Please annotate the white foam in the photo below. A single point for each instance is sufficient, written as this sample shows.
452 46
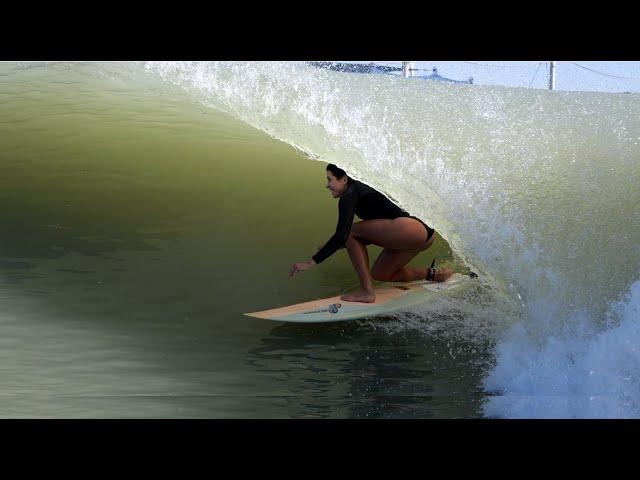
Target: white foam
584 373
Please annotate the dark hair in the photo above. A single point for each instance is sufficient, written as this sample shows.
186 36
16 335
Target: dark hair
337 172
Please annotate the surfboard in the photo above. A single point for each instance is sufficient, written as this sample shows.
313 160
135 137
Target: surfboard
390 297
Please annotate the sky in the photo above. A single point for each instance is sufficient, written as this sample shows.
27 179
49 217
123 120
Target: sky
535 74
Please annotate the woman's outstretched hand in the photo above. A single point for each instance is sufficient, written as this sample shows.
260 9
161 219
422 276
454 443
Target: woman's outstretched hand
301 267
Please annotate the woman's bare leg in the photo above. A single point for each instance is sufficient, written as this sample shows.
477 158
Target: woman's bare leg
391 266
381 232
402 238
360 259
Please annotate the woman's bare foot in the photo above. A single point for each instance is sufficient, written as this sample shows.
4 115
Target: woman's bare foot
361 295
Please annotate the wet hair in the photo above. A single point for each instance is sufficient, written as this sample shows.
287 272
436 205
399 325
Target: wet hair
338 172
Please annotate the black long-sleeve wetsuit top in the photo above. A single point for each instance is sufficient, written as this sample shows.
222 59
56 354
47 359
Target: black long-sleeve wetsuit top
362 200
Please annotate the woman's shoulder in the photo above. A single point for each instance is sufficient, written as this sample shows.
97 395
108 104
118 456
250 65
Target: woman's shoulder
361 189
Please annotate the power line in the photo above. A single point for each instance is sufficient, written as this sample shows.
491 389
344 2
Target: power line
499 66
534 75
605 74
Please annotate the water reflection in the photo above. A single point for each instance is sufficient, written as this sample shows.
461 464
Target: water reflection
350 370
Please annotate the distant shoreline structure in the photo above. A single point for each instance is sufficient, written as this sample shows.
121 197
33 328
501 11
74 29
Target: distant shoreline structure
372 68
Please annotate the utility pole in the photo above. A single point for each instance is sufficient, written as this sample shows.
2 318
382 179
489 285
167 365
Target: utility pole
552 75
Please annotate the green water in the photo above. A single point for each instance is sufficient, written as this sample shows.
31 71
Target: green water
138 225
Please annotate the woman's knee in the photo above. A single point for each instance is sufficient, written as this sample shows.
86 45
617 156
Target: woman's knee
356 228
351 239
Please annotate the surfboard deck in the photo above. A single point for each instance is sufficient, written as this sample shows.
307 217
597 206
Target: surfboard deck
390 297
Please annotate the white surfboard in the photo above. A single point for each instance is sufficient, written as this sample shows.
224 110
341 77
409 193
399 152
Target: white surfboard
390 297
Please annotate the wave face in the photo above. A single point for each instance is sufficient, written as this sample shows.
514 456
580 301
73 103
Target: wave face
536 190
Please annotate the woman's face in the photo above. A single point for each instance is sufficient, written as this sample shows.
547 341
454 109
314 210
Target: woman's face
337 186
